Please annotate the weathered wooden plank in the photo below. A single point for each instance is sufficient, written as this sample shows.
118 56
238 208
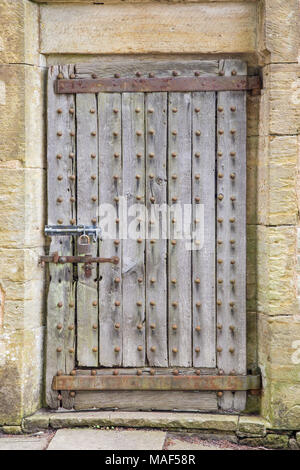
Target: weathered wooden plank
203 254
110 190
133 269
156 115
149 370
87 214
179 258
147 400
60 354
231 253
132 67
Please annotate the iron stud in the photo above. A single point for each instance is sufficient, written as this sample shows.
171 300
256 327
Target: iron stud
175 350
198 133
117 349
153 349
117 326
197 350
140 348
139 326
198 328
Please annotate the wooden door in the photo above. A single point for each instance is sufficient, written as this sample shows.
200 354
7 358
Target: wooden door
170 307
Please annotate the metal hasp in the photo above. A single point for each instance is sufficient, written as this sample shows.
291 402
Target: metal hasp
134 85
159 382
87 259
73 230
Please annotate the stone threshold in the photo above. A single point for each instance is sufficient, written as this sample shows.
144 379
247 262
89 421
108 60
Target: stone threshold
215 423
246 430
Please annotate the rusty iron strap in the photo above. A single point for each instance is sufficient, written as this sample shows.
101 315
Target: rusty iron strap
240 83
159 382
77 259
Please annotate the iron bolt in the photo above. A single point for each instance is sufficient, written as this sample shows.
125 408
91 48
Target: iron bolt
197 199
139 372
117 75
95 326
117 349
219 394
174 327
173 281
152 372
71 327
139 303
116 111
140 280
117 280
115 372
174 154
175 304
231 350
117 326
139 326
59 177
198 304
220 197
138 133
198 328
72 111
197 110
198 133
117 242
197 350
233 72
197 176
93 372
59 133
197 155
60 76
175 372
59 350
175 73
232 154
73 372
220 154
173 242
152 326
219 349
140 348
220 220
71 350
198 372
153 348
174 110
197 280
138 155
175 350
219 326
221 132
117 303
95 349
174 132
72 177
60 372
233 108
94 221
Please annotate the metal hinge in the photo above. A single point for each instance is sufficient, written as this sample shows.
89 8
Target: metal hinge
73 230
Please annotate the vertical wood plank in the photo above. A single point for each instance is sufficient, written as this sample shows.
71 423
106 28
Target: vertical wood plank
133 269
203 258
87 214
179 258
60 355
231 235
156 246
110 190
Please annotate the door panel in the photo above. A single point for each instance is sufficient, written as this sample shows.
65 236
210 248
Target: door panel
170 302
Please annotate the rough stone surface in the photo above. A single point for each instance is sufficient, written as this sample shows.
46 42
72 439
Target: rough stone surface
19 32
24 442
298 437
280 101
12 429
144 419
178 444
271 441
276 179
280 38
36 422
251 426
276 269
96 439
293 444
149 28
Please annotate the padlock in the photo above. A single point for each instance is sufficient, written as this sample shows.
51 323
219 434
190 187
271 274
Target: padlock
84 245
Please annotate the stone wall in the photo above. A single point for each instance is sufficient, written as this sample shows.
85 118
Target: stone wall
22 209
263 32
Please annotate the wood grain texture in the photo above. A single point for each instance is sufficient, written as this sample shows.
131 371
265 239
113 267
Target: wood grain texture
203 255
147 400
148 28
133 268
87 212
110 165
60 304
156 115
179 257
132 67
231 271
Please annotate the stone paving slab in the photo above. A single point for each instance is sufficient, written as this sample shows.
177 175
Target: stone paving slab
96 439
24 442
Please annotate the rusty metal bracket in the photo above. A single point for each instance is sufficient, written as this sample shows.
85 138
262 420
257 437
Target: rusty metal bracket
119 85
158 382
87 259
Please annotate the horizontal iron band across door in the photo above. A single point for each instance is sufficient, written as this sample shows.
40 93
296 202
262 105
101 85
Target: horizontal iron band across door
239 83
56 259
162 382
